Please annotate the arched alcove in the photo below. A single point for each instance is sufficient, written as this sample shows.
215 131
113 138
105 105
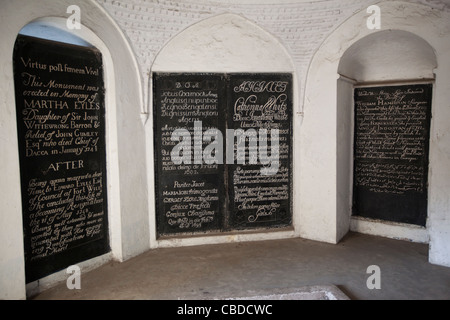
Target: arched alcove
386 58
127 189
225 44
52 85
325 136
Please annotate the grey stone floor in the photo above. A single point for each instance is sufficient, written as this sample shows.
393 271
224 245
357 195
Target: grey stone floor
245 269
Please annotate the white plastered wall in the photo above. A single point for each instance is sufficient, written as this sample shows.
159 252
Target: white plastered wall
126 167
323 187
224 44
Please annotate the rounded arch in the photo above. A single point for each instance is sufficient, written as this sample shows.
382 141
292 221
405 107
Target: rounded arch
326 141
226 43
388 55
125 158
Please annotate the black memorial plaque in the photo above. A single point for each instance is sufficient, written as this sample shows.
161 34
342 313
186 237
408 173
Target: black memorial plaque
198 117
260 179
189 194
61 134
392 132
